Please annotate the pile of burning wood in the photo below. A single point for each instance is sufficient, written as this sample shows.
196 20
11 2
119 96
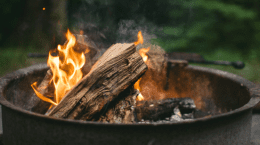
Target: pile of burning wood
81 84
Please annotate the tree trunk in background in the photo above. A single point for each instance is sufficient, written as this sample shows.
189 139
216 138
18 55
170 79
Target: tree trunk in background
59 22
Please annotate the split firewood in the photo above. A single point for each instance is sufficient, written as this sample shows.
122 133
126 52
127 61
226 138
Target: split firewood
46 89
118 68
121 110
160 109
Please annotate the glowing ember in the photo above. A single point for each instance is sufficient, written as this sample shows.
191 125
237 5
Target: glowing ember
66 69
43 8
142 52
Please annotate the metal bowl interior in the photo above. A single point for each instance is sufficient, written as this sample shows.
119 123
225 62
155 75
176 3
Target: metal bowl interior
213 91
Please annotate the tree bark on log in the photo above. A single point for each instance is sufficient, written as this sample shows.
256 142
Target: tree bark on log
118 68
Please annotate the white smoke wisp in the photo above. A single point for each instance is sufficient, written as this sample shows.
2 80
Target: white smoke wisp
128 30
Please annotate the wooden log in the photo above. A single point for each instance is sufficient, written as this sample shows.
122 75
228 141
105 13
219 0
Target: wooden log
46 89
160 109
118 68
121 110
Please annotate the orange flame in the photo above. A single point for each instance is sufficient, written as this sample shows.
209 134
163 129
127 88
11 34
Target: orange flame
66 68
43 8
142 52
40 95
140 38
140 97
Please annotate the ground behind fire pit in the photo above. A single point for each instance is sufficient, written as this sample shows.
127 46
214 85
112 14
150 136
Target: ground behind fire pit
255 131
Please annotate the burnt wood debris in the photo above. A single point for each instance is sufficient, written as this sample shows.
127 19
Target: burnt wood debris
106 92
159 109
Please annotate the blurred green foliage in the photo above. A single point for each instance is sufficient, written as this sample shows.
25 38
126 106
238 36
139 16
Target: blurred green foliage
212 25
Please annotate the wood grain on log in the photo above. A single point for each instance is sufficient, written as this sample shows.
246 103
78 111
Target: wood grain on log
118 68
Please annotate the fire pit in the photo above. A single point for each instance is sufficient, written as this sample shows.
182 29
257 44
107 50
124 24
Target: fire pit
229 98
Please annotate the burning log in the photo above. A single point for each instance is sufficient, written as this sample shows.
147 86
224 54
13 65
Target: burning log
121 110
118 68
160 109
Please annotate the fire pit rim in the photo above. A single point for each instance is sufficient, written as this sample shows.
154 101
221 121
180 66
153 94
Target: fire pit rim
255 98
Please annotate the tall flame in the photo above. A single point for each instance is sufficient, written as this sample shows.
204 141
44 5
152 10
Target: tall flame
66 69
140 38
142 52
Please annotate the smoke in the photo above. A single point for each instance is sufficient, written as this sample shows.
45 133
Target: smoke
128 29
99 23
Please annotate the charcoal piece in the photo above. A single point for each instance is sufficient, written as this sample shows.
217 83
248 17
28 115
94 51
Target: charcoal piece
187 106
177 115
160 109
188 116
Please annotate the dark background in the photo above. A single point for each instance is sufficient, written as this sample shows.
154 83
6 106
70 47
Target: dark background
217 29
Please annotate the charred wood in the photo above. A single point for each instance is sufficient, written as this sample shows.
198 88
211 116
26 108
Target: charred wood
160 109
121 109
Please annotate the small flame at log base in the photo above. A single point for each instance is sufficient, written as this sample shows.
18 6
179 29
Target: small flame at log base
142 52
